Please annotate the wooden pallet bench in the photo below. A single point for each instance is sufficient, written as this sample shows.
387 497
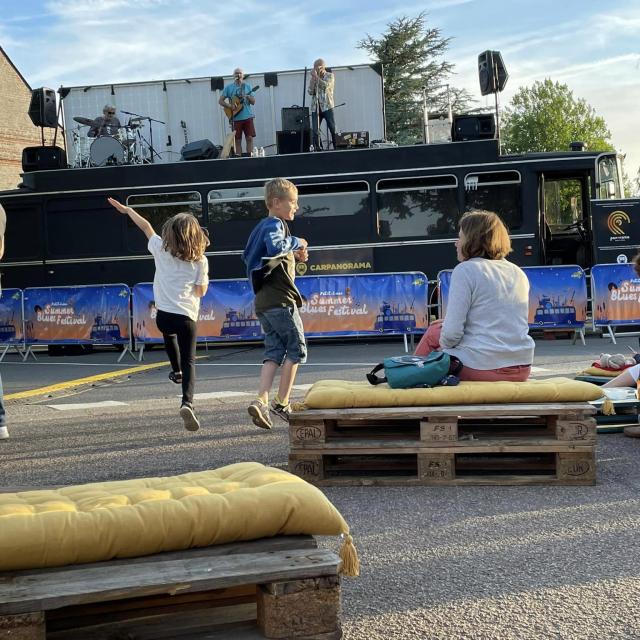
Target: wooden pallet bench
450 445
283 587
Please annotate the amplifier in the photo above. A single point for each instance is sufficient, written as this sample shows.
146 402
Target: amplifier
295 118
43 159
346 139
289 141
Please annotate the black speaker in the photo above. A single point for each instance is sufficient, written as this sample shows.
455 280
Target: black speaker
492 72
270 79
42 108
217 83
294 118
199 150
478 127
289 141
43 158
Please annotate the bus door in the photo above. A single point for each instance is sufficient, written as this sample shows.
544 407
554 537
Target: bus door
565 228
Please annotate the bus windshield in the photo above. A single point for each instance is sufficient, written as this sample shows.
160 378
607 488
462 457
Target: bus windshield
609 177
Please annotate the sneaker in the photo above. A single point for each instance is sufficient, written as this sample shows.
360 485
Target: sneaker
283 411
4 433
176 377
260 414
188 415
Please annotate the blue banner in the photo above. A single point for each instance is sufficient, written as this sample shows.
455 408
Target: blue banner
557 296
341 305
615 293
11 325
94 314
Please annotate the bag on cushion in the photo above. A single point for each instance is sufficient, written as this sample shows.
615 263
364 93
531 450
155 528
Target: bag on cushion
405 372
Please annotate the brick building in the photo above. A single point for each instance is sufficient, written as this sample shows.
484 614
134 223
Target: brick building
16 129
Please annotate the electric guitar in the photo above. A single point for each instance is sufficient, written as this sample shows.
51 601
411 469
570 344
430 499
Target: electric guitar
237 104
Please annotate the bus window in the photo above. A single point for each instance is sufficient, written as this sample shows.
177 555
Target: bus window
608 178
497 191
233 213
562 203
417 207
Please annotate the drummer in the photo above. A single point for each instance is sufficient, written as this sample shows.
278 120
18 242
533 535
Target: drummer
105 125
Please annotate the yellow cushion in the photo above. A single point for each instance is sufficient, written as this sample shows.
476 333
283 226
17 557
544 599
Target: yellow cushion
93 522
594 371
342 394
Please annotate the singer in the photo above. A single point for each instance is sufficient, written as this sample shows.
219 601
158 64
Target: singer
105 125
321 90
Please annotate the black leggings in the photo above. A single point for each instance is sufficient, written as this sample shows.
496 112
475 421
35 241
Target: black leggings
179 333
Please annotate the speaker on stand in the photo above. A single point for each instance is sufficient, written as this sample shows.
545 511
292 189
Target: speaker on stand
493 78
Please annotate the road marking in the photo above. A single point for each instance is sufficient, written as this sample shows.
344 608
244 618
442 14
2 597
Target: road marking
306 364
87 405
302 387
539 370
70 384
212 395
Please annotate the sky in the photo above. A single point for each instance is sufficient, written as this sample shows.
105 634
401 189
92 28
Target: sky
593 47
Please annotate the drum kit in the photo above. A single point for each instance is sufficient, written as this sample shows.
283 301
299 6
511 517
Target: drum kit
124 145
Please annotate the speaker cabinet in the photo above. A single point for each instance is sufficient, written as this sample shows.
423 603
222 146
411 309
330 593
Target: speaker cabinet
199 150
492 73
42 108
289 141
478 127
295 118
43 159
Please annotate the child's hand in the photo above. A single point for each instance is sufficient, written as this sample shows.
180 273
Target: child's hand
301 255
303 243
119 206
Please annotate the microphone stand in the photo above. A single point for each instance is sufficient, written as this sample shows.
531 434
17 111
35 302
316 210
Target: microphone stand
137 115
304 101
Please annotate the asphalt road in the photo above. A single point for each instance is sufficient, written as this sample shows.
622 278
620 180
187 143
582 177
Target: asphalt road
437 562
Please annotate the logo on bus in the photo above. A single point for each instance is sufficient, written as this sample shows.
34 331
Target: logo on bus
615 221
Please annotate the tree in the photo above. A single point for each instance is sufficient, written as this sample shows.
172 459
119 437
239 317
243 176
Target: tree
413 65
547 117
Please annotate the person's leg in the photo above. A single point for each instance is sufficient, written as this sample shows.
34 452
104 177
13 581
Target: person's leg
293 332
314 130
331 123
287 378
518 373
267 376
4 432
166 324
186 334
430 341
237 142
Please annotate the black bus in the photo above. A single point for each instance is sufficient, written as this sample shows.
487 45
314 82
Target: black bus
374 209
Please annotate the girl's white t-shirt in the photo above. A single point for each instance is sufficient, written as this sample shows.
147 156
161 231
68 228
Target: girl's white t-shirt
174 280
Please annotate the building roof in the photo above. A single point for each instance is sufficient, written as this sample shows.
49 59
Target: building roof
4 53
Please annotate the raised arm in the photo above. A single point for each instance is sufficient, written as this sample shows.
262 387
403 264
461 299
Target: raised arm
277 242
140 222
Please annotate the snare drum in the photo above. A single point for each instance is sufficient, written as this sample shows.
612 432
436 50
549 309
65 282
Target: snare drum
105 151
81 147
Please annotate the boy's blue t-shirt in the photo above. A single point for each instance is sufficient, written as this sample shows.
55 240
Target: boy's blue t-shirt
234 89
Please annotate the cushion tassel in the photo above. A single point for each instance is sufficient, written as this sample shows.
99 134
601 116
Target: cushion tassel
349 557
607 408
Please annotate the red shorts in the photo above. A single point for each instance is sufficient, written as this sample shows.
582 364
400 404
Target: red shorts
244 126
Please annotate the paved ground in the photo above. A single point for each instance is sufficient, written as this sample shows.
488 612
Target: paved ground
473 562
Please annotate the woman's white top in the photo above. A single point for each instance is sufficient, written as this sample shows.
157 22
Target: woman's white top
486 323
174 280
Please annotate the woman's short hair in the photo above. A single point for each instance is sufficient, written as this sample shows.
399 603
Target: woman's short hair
484 235
278 188
184 238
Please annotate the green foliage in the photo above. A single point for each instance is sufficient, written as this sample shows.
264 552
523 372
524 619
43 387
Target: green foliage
412 57
547 117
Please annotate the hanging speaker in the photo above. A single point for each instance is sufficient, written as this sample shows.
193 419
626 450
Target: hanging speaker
42 108
492 73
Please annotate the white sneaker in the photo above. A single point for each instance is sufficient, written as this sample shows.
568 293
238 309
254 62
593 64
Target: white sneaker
4 433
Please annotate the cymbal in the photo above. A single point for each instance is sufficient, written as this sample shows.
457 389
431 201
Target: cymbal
85 121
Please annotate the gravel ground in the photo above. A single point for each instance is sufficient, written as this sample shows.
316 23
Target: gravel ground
444 562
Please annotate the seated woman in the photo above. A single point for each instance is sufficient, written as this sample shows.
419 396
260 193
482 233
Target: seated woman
486 324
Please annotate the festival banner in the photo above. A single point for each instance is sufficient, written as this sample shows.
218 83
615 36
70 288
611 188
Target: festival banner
615 293
557 296
11 317
342 305
93 314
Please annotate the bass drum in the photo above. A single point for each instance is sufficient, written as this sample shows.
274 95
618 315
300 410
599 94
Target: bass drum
106 151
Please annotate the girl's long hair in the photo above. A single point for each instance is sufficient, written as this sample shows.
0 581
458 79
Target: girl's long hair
184 238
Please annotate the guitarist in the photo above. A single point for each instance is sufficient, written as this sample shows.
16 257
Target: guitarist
241 122
321 90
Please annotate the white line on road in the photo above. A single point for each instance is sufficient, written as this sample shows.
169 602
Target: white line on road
212 395
539 370
302 387
88 405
